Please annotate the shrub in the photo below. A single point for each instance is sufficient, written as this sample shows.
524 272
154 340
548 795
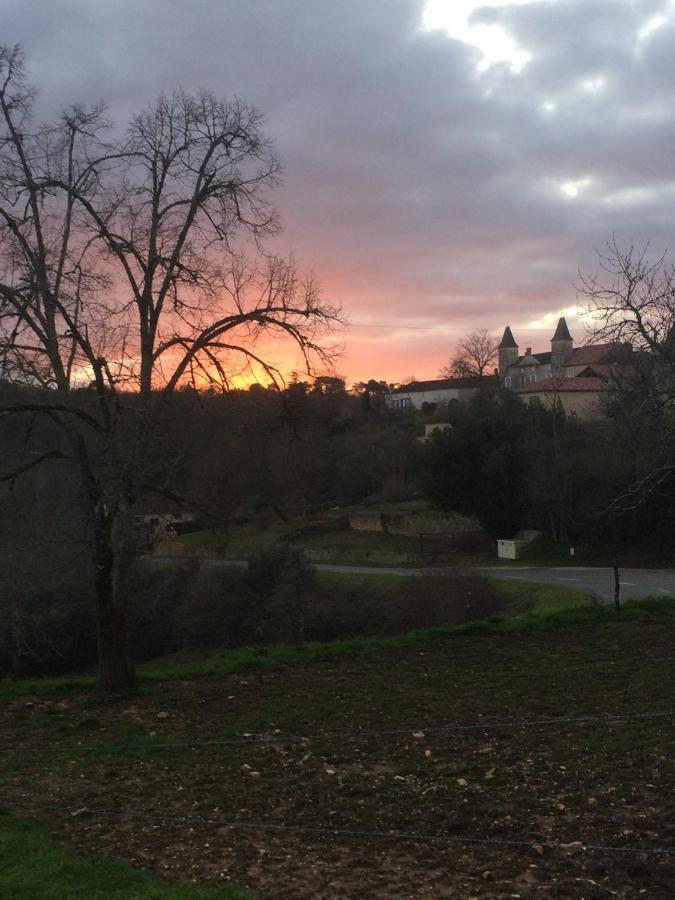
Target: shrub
341 612
280 581
447 599
188 604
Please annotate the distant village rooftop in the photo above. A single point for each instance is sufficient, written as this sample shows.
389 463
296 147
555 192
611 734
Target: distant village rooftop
415 387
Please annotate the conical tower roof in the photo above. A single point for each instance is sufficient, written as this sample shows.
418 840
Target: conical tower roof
562 332
507 339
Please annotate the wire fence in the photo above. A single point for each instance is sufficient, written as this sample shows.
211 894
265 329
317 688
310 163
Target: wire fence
328 831
323 830
412 731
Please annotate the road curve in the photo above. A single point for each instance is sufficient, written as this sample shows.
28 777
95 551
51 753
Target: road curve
635 583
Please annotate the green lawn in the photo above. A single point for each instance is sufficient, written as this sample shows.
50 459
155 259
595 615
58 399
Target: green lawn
238 543
339 546
524 596
34 866
360 548
542 599
356 581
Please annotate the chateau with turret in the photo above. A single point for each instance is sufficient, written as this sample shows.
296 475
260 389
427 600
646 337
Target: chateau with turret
564 360
576 378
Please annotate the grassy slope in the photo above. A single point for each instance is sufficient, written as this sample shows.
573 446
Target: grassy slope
540 600
342 547
34 866
346 547
372 548
536 606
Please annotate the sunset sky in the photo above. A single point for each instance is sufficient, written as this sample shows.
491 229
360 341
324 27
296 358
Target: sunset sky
449 165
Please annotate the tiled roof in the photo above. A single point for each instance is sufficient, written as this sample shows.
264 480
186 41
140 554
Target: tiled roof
533 359
609 370
444 384
593 353
541 358
560 385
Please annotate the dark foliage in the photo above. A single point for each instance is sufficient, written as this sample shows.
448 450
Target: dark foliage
608 483
478 466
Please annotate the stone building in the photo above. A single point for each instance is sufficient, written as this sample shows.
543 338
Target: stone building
577 378
440 390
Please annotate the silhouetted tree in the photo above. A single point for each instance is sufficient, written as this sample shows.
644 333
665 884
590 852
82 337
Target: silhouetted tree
474 356
122 268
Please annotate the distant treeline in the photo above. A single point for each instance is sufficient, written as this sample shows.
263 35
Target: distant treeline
264 455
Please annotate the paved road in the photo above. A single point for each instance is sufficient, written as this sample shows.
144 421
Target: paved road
635 583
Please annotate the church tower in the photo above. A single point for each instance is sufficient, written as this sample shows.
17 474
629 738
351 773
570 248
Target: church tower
561 347
508 352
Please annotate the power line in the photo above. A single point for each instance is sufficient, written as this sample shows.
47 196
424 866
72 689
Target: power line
397 326
415 731
331 831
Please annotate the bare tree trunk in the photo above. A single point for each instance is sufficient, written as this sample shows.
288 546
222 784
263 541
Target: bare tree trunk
554 530
115 666
147 366
115 662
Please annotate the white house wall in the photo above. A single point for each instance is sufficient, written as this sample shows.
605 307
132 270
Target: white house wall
415 399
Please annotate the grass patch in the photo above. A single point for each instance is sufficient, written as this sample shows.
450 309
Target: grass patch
238 543
356 581
542 599
33 865
549 607
372 548
344 546
130 740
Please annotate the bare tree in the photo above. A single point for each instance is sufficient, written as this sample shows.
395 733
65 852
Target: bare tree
630 302
132 267
630 297
475 354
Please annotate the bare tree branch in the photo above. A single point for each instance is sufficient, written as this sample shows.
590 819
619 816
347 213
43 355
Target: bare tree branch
473 357
26 467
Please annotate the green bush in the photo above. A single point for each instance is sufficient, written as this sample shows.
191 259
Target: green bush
281 583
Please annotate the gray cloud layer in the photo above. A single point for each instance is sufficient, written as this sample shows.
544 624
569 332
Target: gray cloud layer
418 188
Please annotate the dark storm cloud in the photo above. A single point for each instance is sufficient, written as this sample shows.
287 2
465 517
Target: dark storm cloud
416 186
